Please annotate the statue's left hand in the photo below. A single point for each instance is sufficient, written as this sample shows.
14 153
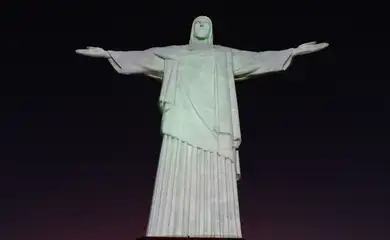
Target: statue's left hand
94 52
310 47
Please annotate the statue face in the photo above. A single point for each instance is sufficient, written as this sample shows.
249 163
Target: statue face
202 30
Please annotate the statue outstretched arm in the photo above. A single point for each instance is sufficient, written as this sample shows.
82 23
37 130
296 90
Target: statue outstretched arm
129 62
247 63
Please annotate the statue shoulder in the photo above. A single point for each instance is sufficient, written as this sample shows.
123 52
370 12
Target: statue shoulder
224 48
236 51
170 52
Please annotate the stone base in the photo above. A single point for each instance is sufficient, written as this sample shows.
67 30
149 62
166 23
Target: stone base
187 238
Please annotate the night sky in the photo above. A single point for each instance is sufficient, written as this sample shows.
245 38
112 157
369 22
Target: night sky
79 143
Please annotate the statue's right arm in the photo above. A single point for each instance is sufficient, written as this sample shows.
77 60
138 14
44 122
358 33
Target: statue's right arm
130 62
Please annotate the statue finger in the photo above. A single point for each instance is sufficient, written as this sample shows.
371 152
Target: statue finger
324 45
85 52
321 46
81 51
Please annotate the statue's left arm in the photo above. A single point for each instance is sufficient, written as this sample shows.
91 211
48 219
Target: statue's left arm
247 63
130 62
137 62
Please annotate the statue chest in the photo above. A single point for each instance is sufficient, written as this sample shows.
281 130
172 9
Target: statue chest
202 62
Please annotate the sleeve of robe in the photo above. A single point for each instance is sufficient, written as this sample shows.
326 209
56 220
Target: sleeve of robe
137 62
247 63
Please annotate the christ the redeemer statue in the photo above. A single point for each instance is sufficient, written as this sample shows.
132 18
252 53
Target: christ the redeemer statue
195 193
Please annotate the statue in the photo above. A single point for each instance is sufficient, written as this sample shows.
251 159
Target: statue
195 192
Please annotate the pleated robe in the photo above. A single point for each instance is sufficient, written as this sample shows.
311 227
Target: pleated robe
195 190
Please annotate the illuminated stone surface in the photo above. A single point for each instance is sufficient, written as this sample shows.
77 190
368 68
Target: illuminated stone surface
195 192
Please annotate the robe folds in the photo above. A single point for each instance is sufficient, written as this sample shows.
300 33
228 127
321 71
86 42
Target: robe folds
195 192
198 98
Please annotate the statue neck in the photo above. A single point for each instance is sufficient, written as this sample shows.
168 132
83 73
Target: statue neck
199 44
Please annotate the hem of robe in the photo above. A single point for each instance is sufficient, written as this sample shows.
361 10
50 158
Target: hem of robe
235 153
289 59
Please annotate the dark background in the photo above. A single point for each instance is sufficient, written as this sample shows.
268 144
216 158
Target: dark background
80 143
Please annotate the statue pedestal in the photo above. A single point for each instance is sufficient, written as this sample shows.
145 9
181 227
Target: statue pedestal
187 238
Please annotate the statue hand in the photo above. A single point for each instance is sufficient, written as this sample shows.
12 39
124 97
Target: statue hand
93 52
309 47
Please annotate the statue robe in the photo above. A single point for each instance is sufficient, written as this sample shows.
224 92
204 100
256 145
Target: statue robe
201 134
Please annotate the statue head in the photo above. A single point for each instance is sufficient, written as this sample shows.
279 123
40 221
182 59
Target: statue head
202 31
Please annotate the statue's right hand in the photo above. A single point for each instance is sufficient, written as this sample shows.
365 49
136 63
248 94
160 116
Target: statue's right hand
93 52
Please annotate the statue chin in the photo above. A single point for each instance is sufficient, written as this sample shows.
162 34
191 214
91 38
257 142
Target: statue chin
202 38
